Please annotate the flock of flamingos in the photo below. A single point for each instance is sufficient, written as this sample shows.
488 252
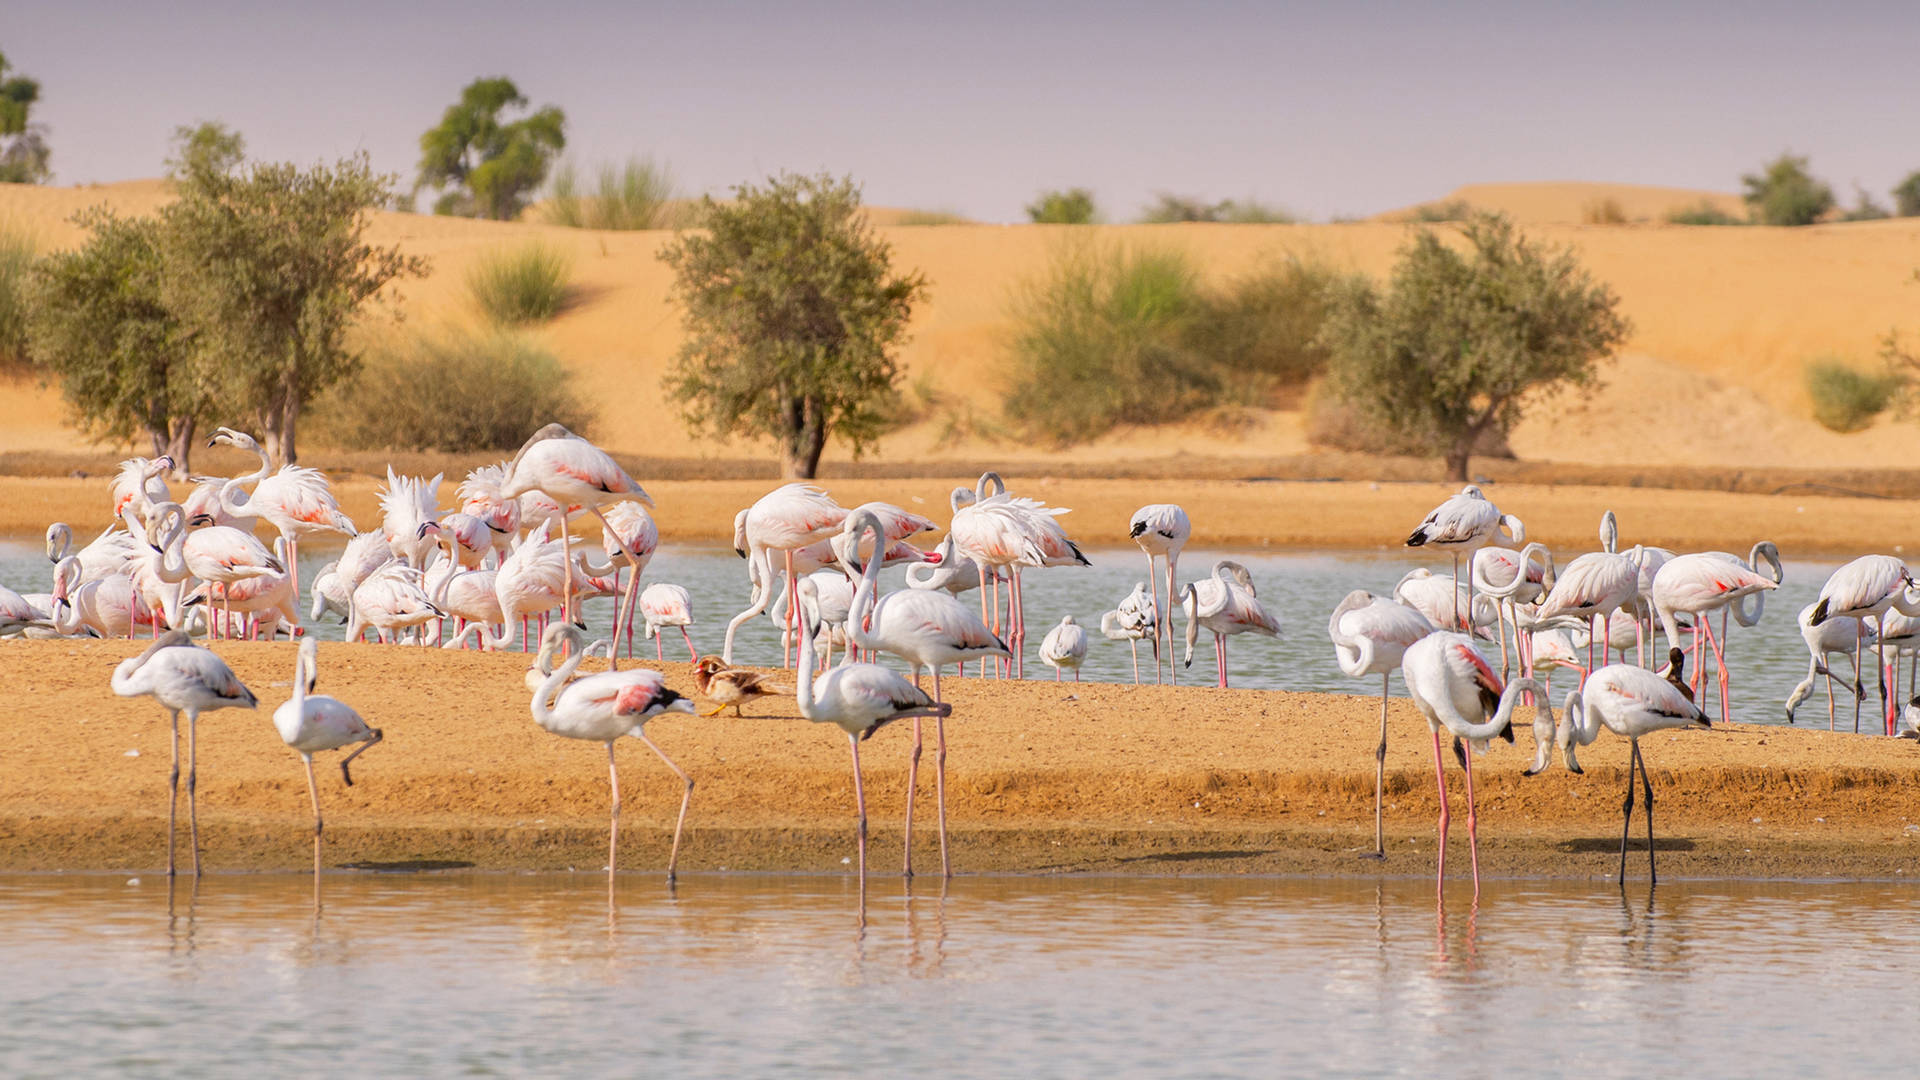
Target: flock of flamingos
506 560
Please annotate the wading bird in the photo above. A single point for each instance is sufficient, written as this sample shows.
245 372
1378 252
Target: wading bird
1464 522
1868 587
1161 529
785 519
1226 604
1700 585
1838 635
311 722
297 501
1065 646
1136 617
662 605
725 686
1370 635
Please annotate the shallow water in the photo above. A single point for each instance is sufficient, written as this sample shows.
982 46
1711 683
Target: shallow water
734 975
1302 588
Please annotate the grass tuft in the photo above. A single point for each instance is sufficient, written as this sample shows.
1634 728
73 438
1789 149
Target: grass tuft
1846 398
1702 213
525 285
1603 212
637 194
17 251
451 392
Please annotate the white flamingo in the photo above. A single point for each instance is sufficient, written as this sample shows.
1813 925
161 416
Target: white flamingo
1135 617
1162 530
1370 635
392 601
1226 604
1868 587
1065 646
1593 587
310 722
663 604
1699 585
1465 522
531 580
297 501
410 517
1844 635
790 517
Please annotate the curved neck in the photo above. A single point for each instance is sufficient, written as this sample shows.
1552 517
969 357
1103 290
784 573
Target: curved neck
59 542
550 686
1355 655
303 674
809 629
989 479
866 596
173 554
231 497
1190 601
1503 713
1581 726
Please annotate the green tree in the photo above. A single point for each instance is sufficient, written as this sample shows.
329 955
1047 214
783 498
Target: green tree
99 326
793 314
1906 196
1459 340
1073 206
24 155
1785 193
267 267
208 148
486 167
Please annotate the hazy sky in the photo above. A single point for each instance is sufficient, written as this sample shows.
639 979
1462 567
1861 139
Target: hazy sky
974 106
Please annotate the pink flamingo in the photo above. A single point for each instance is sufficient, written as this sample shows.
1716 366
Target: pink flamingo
1593 587
785 519
1512 578
217 554
630 532
480 496
1868 587
603 707
108 554
137 487
1464 522
263 602
1161 529
108 606
1454 688
1226 604
663 605
1370 635
1700 585
1440 598
1000 531
297 501
532 580
393 599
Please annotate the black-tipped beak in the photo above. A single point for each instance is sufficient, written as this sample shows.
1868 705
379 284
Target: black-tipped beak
579 624
200 519
740 553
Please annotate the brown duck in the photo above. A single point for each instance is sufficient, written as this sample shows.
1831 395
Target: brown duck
726 686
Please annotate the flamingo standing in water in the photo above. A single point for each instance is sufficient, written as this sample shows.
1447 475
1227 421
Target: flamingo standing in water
1065 646
1631 702
1593 587
1000 531
1512 579
1454 688
1226 604
927 629
1370 636
1464 522
297 501
1136 617
532 580
604 707
1868 587
311 722
109 606
410 517
1699 585
1161 529
217 554
1837 635
182 677
664 605
788 518
857 698
632 534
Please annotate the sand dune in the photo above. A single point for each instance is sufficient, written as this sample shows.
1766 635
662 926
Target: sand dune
1724 321
1570 202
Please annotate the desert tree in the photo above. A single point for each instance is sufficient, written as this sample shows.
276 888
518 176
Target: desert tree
793 315
24 155
486 166
1463 337
268 269
209 148
1784 192
100 329
1073 206
1906 196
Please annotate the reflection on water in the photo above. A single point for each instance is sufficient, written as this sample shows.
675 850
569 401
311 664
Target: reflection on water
756 975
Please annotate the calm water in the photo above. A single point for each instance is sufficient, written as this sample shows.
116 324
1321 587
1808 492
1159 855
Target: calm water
1302 588
736 975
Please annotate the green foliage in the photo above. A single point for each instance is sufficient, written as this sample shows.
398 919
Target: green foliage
1459 341
1864 208
793 314
931 217
268 269
486 167
635 195
1846 398
206 149
451 392
1785 193
1262 329
1253 212
1074 206
525 285
1171 209
1442 212
99 326
1906 196
24 157
1702 213
17 250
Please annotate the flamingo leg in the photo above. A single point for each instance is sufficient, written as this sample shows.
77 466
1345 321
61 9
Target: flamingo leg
1134 645
1500 620
193 770
1457 624
913 784
940 777
1473 820
613 824
1173 670
659 650
860 807
686 797
313 793
1153 590
1858 639
173 790
1440 774
692 654
1720 667
1646 784
793 609
293 572
1380 773
1626 811
566 578
1830 705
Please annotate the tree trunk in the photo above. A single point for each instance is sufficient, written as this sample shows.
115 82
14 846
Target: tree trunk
806 438
278 422
1461 452
180 432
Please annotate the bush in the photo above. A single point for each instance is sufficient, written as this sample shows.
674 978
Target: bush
523 286
16 263
931 217
1434 213
631 196
1171 209
1338 425
1845 398
1906 196
1603 212
1702 213
1073 206
1864 208
1786 193
1263 328
453 392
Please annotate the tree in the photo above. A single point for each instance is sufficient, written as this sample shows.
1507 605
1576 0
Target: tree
793 314
208 148
490 167
23 146
1786 193
1459 341
98 324
1906 196
267 268
1073 206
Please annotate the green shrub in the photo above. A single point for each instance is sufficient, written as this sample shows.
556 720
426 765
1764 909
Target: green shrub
16 263
1252 212
1785 193
1846 398
1073 206
1262 328
451 392
931 217
1864 208
1450 210
1702 213
635 195
525 285
1906 196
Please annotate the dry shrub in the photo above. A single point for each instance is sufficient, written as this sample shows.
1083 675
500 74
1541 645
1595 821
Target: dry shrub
1603 212
453 392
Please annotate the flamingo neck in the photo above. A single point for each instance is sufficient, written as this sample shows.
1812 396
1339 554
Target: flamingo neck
543 698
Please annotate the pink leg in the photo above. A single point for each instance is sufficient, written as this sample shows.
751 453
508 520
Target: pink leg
793 610
1719 660
1473 823
659 651
1440 773
688 638
860 803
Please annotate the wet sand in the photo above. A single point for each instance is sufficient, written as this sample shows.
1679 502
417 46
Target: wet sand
1043 778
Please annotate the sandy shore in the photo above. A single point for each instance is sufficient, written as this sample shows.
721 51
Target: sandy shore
1042 778
1226 513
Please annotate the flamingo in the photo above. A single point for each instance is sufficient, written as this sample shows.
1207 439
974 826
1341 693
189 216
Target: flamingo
392 599
311 722
943 568
1439 597
859 699
216 554
1370 635
1464 522
1161 529
269 595
470 596
1065 646
630 532
1137 616
296 500
785 519
108 606
108 554
1869 586
572 471
1631 702
137 486
1001 531
410 517
1700 584
532 580
1512 578
604 707
835 593
927 629
480 496
203 503
1593 587
1838 635
18 614
1453 687
182 677
665 605
1227 604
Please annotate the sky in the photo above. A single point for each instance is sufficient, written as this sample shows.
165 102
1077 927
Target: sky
975 107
